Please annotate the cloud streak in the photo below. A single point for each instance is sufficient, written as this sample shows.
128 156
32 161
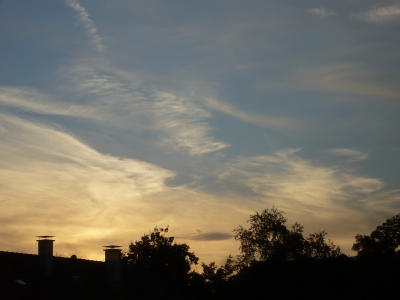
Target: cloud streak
54 184
63 155
284 178
346 77
320 12
381 14
88 23
352 154
334 197
263 121
180 123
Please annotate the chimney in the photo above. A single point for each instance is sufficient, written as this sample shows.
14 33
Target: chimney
113 262
45 253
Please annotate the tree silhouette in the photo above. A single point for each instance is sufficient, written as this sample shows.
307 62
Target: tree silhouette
382 242
214 274
269 238
317 247
157 259
265 235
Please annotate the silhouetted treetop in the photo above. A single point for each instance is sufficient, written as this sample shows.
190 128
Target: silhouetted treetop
383 241
158 253
269 238
214 274
316 246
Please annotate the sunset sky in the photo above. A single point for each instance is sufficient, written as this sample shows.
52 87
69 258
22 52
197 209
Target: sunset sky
119 116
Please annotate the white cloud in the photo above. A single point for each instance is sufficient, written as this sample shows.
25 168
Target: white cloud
264 121
31 100
335 197
320 12
181 124
286 179
381 14
184 122
386 201
29 147
353 155
52 183
342 77
88 23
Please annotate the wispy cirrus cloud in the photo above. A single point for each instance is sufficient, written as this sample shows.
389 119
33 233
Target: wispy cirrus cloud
180 122
334 196
185 123
58 185
29 145
348 77
53 183
353 155
29 99
88 23
285 178
320 12
380 14
263 121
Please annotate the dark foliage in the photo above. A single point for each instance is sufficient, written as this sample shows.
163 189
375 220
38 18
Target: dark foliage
217 279
212 273
156 260
276 262
268 238
338 277
383 242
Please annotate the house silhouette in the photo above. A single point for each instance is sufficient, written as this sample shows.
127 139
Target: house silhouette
45 276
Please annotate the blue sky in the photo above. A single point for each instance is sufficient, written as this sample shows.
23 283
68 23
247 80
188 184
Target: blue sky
116 117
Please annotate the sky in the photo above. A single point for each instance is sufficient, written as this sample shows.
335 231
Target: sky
120 116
